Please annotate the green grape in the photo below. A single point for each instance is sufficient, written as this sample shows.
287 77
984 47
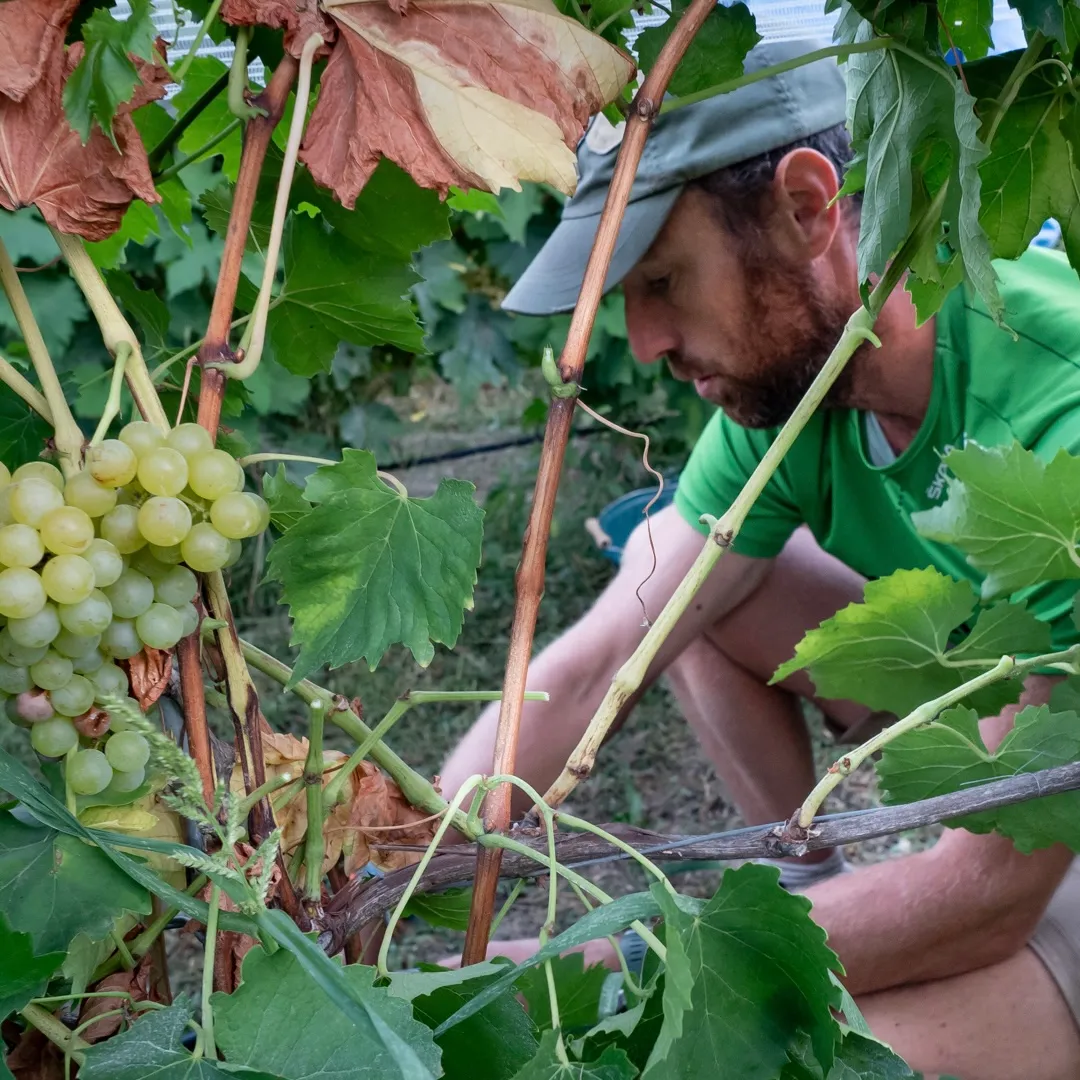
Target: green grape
33 706
120 641
52 671
14 680
120 526
90 496
19 655
88 772
189 439
107 562
42 470
205 549
66 530
5 475
11 711
160 627
6 517
164 521
235 515
113 464
127 751
131 595
75 697
123 782
22 593
68 579
147 565
37 630
142 437
20 545
212 474
163 471
177 587
31 499
90 661
236 549
89 616
73 645
54 738
170 556
109 681
264 510
190 616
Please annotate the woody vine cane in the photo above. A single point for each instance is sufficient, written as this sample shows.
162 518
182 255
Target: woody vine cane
529 580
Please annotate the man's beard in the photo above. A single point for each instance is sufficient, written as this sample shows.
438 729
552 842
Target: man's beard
789 329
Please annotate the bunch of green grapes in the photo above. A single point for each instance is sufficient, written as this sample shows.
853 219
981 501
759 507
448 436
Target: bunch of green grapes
94 568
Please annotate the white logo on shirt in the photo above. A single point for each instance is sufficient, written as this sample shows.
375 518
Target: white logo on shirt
941 476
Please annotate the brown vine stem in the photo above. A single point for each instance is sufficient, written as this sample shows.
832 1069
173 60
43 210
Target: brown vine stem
530 574
195 726
215 346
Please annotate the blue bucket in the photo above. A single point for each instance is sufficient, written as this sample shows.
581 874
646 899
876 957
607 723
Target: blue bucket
612 527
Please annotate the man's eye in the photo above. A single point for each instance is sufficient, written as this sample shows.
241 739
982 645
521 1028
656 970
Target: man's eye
657 286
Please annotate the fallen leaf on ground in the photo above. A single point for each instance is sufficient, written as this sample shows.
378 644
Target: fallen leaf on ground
473 93
81 190
149 673
298 18
30 30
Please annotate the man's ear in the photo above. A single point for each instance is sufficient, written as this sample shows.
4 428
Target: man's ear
806 214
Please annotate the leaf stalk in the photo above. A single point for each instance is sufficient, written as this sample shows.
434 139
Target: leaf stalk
15 380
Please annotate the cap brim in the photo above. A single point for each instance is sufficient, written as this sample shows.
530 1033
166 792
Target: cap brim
553 279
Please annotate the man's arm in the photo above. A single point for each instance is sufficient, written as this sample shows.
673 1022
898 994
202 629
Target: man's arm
967 902
577 668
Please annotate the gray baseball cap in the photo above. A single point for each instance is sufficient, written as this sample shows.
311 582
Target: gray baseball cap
685 143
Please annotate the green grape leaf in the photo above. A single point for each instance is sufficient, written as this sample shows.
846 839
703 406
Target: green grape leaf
274 1022
58 308
54 887
501 1035
1065 696
858 1057
23 433
612 1064
214 119
760 973
333 293
286 499
27 237
891 651
578 989
137 226
479 352
369 567
148 311
1013 515
152 1047
449 908
968 23
715 55
1049 16
105 78
23 975
949 754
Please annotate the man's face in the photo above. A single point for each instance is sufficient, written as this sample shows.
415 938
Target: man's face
750 330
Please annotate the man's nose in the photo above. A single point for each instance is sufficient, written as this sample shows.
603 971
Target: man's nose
651 336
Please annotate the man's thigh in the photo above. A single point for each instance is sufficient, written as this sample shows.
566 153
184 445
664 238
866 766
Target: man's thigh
1004 1022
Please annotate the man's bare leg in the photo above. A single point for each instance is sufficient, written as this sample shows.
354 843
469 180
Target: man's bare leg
1003 1022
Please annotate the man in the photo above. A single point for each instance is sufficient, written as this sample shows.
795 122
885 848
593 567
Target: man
738 268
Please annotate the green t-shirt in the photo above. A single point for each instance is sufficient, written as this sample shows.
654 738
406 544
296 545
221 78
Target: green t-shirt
988 387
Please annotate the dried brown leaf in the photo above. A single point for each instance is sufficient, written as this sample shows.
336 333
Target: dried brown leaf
149 673
135 982
298 18
29 31
34 1057
477 93
81 190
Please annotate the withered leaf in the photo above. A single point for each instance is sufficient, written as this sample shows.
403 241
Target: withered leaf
135 982
473 93
82 190
30 30
298 18
149 673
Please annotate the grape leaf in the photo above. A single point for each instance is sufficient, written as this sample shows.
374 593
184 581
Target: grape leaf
54 887
215 117
449 908
26 236
891 651
22 432
715 55
949 754
968 23
299 21
369 567
1013 515
858 1057
612 1064
57 305
286 499
1047 16
105 77
274 1022
152 1047
501 1035
30 30
578 989
450 89
333 293
23 975
147 309
760 973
